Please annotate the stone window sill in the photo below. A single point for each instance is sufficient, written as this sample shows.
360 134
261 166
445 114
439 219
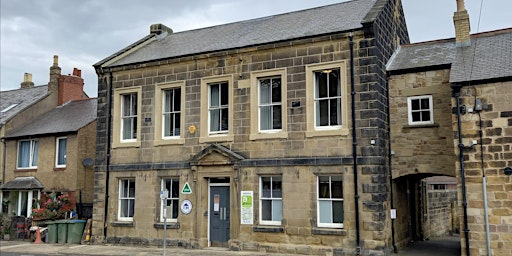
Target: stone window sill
169 225
268 229
327 231
123 224
421 126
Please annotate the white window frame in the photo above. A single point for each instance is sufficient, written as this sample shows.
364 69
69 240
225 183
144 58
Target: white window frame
171 114
33 154
269 104
220 108
330 199
272 199
430 109
170 200
132 116
341 129
328 98
19 201
129 198
221 136
57 152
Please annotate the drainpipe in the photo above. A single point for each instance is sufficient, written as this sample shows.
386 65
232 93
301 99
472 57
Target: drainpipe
484 187
390 162
456 94
4 157
354 143
109 133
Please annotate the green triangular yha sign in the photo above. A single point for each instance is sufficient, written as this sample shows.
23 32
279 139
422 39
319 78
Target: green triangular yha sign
186 189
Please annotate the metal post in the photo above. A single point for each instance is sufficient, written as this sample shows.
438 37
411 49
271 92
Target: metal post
165 223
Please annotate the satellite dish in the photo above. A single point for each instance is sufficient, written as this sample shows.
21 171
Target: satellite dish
88 162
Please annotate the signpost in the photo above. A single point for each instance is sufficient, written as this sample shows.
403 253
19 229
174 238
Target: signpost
164 194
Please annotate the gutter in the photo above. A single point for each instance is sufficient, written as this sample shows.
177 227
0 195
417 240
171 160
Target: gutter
456 94
354 145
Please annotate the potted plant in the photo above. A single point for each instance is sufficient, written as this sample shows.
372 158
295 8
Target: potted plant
5 226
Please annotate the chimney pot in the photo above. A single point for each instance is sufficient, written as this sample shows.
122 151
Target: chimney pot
27 81
77 72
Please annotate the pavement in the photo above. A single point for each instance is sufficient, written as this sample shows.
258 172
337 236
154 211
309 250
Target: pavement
447 246
21 248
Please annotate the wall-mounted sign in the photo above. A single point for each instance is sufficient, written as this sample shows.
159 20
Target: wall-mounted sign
247 209
186 189
186 206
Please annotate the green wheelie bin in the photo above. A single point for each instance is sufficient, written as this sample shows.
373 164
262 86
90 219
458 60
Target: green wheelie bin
75 231
52 232
62 231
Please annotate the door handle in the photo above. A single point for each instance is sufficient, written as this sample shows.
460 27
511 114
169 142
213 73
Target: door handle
220 213
225 217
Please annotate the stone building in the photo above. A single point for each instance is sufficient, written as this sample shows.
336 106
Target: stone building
48 135
270 134
451 102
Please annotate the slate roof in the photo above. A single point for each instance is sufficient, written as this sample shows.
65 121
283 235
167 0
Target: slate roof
69 117
22 97
488 57
22 183
345 16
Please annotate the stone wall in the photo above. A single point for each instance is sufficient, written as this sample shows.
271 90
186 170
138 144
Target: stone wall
490 157
442 213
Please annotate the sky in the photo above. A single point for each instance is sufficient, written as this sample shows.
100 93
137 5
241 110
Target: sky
83 32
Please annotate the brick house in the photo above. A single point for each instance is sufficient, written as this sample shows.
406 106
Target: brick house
269 134
49 135
451 102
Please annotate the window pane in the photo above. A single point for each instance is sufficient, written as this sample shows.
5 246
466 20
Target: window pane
276 117
35 150
334 109
131 191
323 187
336 187
265 92
175 191
324 208
224 119
24 154
322 113
277 210
127 128
337 211
321 85
416 116
224 94
276 187
177 99
214 95
214 120
334 83
415 104
175 206
167 100
276 90
61 157
425 115
425 103
265 117
265 187
266 210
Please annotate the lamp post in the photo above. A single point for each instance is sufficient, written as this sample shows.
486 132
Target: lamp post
164 194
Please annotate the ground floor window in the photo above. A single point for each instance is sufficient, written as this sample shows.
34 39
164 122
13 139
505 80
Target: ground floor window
271 202
172 206
126 208
20 203
330 201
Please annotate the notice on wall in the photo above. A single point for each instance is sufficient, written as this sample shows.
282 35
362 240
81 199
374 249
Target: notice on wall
247 209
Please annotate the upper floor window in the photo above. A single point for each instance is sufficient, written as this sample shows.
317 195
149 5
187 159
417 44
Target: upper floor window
129 117
172 206
268 104
126 117
271 202
330 201
326 99
60 156
420 109
27 153
217 110
126 208
171 112
218 106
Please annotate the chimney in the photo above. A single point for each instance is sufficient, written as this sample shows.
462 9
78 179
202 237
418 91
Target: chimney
53 84
27 81
71 87
159 29
462 27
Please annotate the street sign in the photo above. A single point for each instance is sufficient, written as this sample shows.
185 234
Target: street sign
164 194
186 189
186 206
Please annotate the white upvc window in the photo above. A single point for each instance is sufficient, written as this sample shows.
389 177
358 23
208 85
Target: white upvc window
126 208
172 185
420 110
60 152
171 113
218 108
20 202
27 154
271 201
330 202
129 117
